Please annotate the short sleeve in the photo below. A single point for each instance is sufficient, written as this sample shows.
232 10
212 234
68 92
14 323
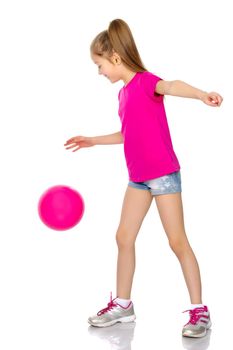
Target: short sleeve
149 81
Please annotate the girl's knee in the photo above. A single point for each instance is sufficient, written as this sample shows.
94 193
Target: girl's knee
124 239
179 246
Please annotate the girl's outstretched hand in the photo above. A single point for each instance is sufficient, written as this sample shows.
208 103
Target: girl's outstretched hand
212 99
79 142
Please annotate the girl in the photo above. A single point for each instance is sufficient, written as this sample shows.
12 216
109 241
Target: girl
153 168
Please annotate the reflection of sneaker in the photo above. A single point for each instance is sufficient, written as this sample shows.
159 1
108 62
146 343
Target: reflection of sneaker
197 343
112 314
198 324
120 335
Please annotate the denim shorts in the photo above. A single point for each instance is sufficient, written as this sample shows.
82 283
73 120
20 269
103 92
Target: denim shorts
170 183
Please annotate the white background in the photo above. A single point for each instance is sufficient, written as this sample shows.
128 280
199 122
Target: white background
51 281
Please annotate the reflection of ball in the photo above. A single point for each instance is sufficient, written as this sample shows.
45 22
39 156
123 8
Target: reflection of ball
61 207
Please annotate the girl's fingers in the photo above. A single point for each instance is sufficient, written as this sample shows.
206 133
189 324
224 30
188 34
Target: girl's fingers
76 149
74 139
210 102
69 141
214 99
217 100
72 146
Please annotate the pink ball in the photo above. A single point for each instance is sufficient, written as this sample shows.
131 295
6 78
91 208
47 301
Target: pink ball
61 207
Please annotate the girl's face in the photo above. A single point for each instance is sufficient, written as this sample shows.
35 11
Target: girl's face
110 70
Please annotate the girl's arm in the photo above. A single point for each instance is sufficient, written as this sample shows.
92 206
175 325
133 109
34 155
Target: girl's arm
87 141
182 89
110 139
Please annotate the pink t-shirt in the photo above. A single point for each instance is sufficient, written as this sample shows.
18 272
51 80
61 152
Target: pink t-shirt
147 142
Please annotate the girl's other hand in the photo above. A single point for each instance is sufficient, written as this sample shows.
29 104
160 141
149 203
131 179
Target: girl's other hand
212 99
79 142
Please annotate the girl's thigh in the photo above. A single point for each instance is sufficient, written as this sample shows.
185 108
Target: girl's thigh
135 206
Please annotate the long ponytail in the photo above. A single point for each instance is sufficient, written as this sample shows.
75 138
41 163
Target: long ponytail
118 38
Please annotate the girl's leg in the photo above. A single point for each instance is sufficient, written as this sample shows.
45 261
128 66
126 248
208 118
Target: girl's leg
171 213
135 206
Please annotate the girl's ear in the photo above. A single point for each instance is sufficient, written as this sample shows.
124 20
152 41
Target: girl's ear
116 58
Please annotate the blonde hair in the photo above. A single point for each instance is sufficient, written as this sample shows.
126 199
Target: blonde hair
118 37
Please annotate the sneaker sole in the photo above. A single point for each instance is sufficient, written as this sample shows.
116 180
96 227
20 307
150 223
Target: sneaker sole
110 323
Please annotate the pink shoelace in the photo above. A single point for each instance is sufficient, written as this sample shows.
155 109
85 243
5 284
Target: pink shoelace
111 305
196 314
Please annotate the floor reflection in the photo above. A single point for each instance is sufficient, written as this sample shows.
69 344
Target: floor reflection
197 343
119 336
